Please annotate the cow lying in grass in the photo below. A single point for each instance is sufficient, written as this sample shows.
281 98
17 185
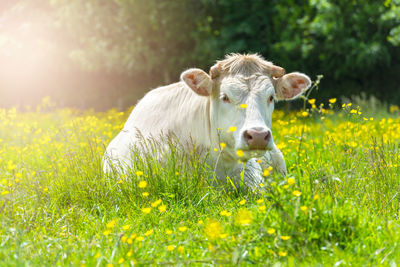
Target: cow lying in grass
230 109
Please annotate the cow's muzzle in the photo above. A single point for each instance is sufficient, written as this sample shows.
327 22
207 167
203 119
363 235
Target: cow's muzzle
257 139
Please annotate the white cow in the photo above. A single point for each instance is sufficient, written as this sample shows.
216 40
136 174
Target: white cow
233 105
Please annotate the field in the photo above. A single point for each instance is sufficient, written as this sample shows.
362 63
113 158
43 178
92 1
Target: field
338 205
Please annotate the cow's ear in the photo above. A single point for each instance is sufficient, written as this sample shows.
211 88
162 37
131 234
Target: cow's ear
291 86
199 81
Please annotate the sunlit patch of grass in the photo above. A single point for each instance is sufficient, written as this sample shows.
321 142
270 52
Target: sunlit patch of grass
339 202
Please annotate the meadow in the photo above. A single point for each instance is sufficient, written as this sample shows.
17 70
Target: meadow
338 205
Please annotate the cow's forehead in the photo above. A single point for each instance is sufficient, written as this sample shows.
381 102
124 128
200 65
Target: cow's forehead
241 84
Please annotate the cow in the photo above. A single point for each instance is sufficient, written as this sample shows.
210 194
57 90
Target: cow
229 109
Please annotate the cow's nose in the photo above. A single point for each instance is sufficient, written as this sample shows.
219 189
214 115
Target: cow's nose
257 139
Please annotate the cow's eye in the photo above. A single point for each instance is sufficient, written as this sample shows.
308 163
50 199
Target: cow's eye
270 99
225 98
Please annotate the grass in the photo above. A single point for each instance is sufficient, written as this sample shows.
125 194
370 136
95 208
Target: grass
339 204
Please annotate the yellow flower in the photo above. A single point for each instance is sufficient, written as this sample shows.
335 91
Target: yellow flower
271 231
145 194
156 203
270 168
304 114
142 184
232 129
242 202
121 260
296 193
332 100
243 217
5 192
303 208
109 265
261 185
181 249
139 238
291 181
282 253
213 229
200 222
353 111
226 213
285 237
168 232
316 197
222 145
107 232
243 105
139 173
146 210
123 239
130 252
262 208
171 247
259 201
240 153
111 224
311 101
149 232
265 172
97 255
182 228
126 227
162 208
286 186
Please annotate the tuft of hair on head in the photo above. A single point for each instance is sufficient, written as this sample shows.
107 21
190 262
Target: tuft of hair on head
246 65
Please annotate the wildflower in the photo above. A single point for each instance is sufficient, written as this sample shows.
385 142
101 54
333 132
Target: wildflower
261 185
139 173
311 101
123 239
262 208
126 227
316 197
271 231
109 265
285 237
242 202
304 114
259 201
97 255
286 186
240 153
222 145
232 129
130 252
168 232
162 208
353 111
216 149
303 208
145 194
332 100
243 105
265 172
291 181
111 224
225 213
182 228
156 203
139 238
296 193
5 192
181 249
213 229
270 168
170 247
146 210
149 232
121 260
142 184
200 222
282 253
107 232
243 217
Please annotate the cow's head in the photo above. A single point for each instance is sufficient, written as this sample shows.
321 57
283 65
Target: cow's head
243 90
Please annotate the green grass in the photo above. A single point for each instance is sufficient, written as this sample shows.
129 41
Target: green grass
58 208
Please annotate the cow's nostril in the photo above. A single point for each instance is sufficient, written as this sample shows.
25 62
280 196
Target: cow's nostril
267 136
